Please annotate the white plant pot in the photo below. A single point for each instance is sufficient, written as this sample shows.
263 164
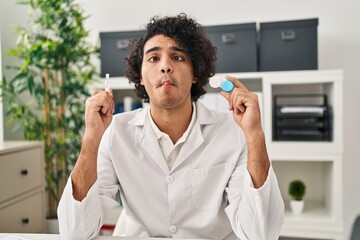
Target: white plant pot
297 206
52 225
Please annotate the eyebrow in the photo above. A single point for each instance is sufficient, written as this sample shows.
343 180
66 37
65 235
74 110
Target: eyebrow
153 49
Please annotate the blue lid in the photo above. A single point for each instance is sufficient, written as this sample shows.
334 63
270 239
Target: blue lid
227 86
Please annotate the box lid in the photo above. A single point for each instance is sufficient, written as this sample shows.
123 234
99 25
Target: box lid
290 24
231 27
121 34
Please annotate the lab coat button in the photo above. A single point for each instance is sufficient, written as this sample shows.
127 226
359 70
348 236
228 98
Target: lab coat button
173 229
169 179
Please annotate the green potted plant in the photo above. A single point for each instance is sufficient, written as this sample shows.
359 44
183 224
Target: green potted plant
297 190
55 72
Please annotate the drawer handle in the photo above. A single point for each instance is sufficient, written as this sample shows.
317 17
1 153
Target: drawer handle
25 220
24 172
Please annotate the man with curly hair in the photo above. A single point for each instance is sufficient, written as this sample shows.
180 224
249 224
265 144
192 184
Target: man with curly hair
182 170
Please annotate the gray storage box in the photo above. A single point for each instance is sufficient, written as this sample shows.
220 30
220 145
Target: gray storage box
288 45
236 47
114 49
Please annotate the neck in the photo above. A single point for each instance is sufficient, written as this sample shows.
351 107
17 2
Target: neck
174 121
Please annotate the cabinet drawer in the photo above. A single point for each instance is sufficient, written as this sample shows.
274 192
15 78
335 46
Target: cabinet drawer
26 215
20 172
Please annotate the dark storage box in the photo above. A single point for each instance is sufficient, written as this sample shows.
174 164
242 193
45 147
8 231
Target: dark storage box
288 45
236 47
114 49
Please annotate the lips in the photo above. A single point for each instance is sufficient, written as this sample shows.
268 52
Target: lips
166 85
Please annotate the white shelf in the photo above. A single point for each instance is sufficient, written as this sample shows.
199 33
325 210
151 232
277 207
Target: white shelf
315 222
117 83
278 148
302 76
318 163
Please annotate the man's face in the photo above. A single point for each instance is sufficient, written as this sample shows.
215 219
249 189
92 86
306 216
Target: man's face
166 73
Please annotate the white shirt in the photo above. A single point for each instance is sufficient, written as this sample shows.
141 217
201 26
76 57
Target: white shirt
208 192
169 149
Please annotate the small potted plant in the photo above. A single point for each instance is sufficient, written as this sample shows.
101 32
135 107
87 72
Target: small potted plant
297 190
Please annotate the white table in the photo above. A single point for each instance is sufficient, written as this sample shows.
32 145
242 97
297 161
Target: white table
57 237
45 236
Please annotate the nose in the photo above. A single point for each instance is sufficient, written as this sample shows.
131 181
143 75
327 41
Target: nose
166 70
166 67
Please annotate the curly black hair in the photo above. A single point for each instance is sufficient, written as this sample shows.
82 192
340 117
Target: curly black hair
190 36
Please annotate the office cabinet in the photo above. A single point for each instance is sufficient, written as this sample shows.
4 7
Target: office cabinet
22 191
317 163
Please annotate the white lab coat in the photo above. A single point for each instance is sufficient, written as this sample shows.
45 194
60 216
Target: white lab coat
208 193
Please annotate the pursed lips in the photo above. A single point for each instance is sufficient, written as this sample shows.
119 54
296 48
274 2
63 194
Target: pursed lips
166 83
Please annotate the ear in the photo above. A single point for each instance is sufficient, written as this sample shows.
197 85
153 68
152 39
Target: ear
194 80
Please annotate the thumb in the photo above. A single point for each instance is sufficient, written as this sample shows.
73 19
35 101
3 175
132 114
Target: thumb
226 95
109 91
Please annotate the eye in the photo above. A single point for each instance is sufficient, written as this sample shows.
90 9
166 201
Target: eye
153 59
178 58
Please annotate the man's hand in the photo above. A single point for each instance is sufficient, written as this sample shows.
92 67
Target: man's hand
245 107
98 113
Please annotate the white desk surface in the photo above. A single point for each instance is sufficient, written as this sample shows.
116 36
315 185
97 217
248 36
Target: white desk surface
21 236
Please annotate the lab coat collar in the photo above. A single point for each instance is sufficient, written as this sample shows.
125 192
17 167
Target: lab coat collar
147 136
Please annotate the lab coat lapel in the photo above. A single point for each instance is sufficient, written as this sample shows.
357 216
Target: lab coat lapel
195 138
148 140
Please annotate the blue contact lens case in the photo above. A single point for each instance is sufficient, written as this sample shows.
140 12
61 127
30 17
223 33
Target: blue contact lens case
225 85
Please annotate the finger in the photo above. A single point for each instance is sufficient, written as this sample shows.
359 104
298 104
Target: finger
102 101
237 103
240 99
107 107
236 82
96 91
109 112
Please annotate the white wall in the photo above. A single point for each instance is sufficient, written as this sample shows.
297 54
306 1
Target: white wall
1 105
339 48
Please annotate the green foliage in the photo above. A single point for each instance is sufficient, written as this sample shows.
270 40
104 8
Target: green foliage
297 190
55 72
